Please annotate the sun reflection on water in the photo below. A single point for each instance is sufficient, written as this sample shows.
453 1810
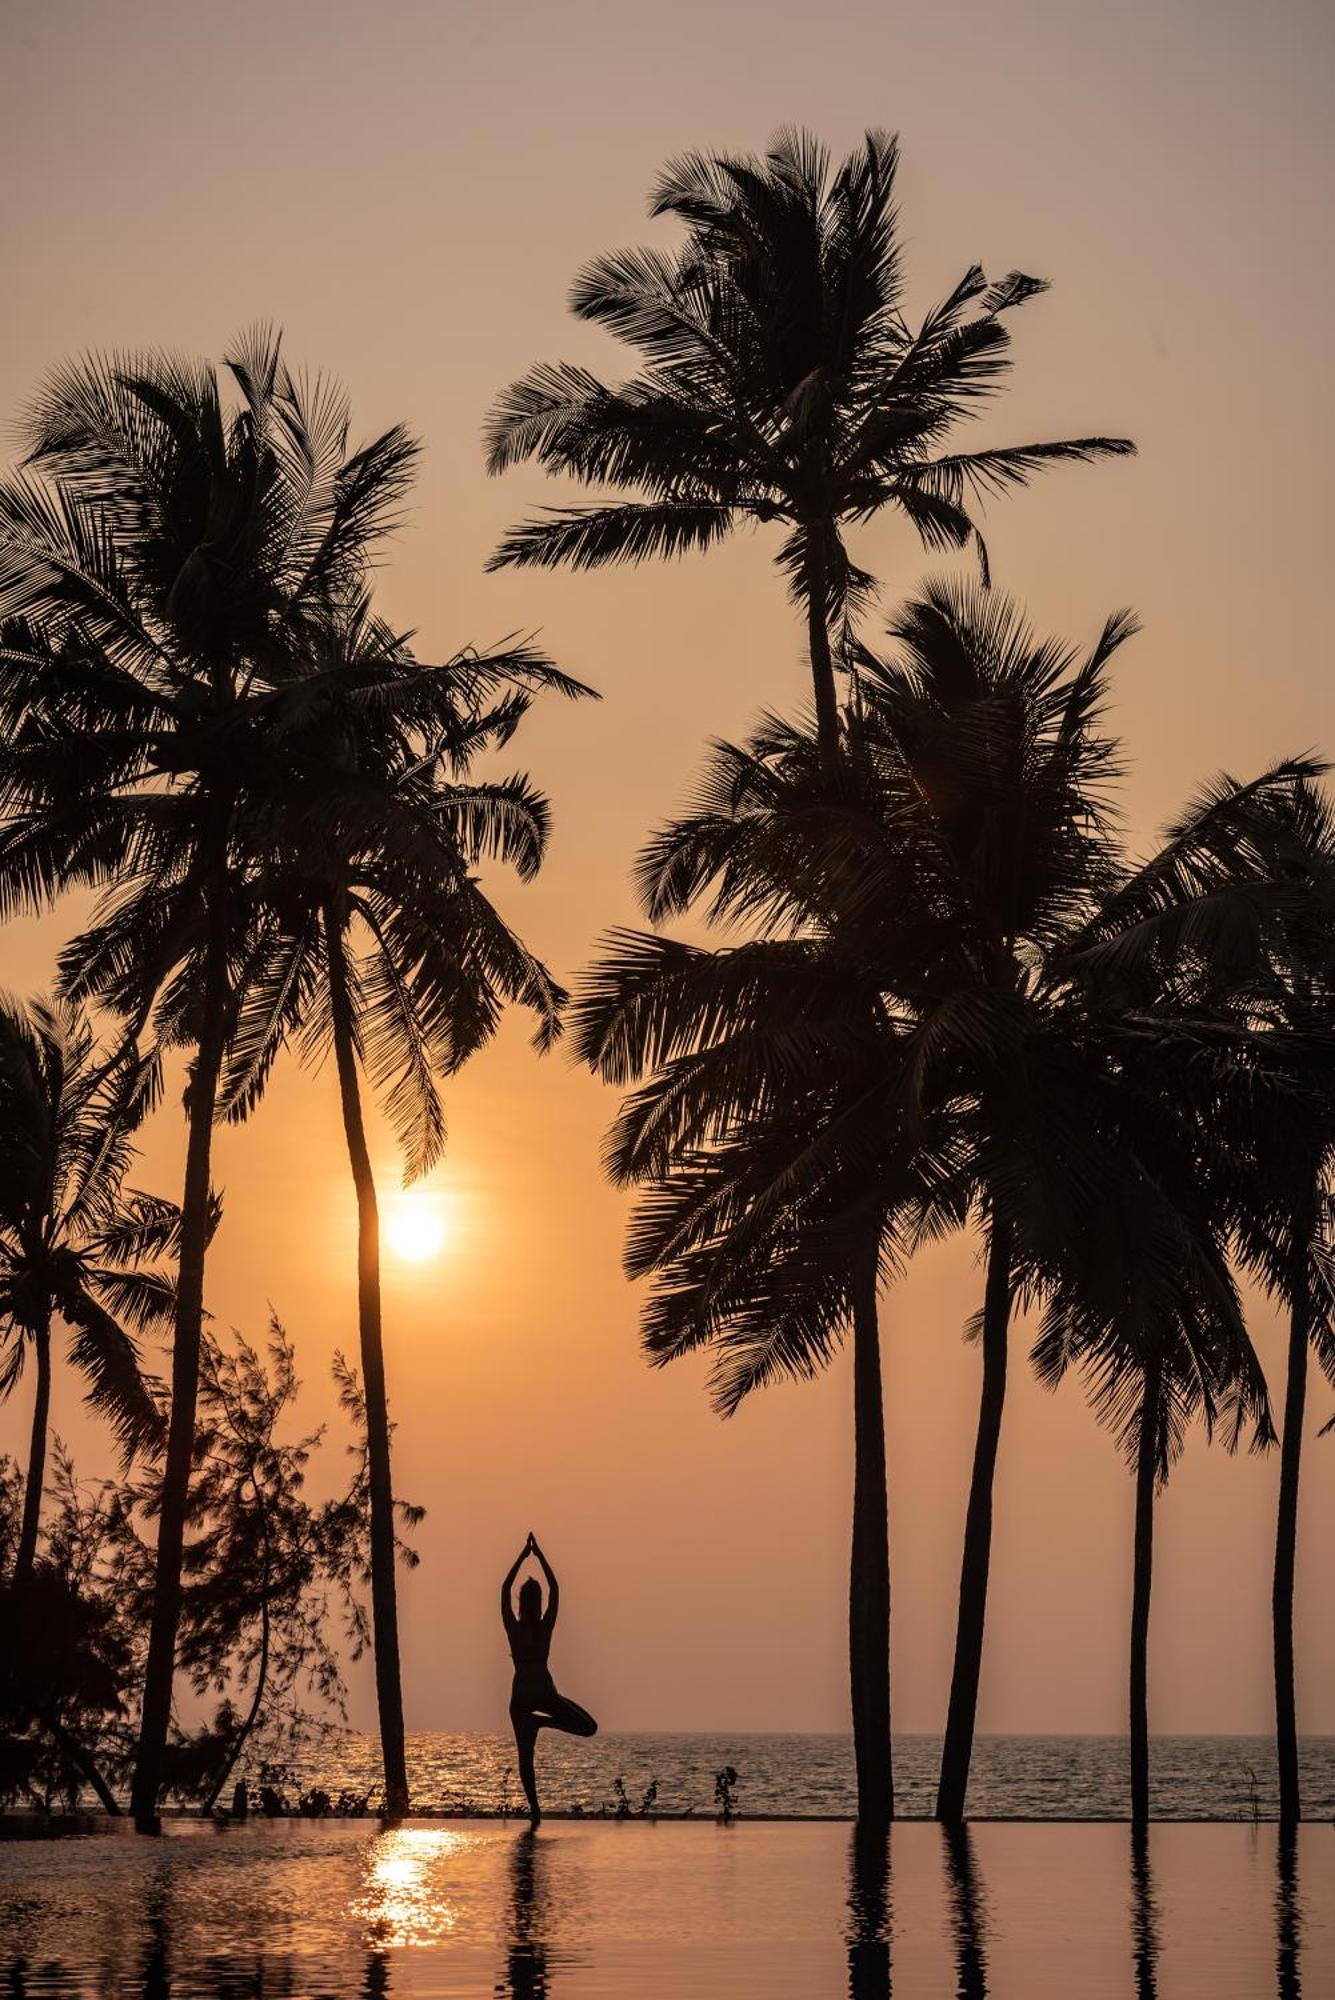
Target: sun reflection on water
407 1898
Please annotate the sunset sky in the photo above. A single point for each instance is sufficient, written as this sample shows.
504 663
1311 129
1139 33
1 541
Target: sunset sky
407 189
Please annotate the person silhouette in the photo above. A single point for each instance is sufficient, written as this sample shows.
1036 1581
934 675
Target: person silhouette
534 1701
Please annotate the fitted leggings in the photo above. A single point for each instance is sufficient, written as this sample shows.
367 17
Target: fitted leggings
532 1709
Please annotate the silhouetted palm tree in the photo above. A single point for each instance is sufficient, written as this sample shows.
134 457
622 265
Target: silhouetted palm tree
379 941
164 562
1168 1348
1289 1232
771 1210
781 382
74 1241
1237 912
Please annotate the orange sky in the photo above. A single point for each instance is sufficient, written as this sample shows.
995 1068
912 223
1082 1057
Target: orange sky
408 189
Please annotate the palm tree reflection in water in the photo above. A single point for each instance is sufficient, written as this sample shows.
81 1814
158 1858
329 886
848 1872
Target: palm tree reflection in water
1288 1918
155 1974
375 1982
1144 1918
968 1913
526 1961
869 1915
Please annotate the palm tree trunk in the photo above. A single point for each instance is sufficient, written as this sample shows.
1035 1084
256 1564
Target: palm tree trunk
1147 1474
384 1606
1286 1553
36 1475
189 1319
869 1571
957 1749
818 644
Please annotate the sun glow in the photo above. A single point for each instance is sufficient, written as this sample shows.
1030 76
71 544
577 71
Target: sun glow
416 1228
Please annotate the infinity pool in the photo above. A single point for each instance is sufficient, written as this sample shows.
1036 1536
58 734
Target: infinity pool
642 1910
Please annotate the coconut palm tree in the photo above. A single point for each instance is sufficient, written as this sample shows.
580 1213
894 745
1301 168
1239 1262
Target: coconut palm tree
1148 1310
377 940
770 1211
1285 1216
1237 912
176 537
780 382
76 1244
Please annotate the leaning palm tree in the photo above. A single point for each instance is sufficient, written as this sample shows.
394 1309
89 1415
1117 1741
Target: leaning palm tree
76 1244
377 940
175 537
781 382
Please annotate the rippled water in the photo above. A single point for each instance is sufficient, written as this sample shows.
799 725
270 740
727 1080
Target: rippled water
1066 1777
586 1912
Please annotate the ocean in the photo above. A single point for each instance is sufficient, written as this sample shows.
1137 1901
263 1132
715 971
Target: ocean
1013 1777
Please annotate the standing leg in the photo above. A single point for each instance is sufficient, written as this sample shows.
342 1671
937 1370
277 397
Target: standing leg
526 1725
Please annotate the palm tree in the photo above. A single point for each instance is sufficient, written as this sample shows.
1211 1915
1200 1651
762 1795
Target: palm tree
74 1241
177 536
769 1217
1159 1335
377 940
1238 911
781 382
1287 1233
895 1027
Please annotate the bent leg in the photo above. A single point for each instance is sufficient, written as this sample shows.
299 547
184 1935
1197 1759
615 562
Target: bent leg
558 1713
525 1726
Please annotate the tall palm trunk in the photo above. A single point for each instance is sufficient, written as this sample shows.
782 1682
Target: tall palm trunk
818 645
957 1749
1286 1554
1147 1475
36 1475
384 1605
159 1669
869 1571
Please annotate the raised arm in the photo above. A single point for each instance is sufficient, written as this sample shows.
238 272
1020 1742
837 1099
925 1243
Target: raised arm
553 1587
508 1618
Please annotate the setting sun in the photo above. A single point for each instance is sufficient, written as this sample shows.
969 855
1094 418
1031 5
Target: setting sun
415 1227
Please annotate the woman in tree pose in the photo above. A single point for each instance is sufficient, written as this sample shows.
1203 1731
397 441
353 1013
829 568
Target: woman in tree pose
534 1701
